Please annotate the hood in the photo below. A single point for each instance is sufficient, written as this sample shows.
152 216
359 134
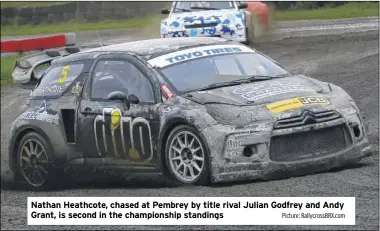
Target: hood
225 17
261 92
273 100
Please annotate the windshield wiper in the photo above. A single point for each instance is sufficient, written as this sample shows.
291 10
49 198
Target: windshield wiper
184 10
223 84
248 79
204 8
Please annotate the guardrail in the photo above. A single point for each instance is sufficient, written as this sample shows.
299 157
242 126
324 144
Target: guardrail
39 43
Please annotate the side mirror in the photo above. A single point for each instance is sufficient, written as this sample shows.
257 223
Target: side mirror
117 95
133 99
165 11
243 6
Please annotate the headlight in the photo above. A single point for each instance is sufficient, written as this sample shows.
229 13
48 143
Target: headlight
341 98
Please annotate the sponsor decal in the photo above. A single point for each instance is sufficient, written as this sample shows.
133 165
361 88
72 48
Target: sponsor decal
245 131
115 119
313 100
167 108
41 115
123 137
256 92
298 102
195 53
77 88
175 34
233 143
62 78
42 107
208 30
50 89
166 91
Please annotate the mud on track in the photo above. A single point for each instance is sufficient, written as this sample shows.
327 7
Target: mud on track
350 60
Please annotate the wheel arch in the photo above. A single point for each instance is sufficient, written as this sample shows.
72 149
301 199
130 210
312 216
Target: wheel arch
167 128
14 145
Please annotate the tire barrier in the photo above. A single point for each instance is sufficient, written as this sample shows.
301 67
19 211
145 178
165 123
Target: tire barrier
40 43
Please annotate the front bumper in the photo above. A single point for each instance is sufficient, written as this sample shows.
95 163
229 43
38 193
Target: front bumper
228 163
232 32
273 170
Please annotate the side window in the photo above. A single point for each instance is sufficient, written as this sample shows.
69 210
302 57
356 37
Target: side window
119 75
57 79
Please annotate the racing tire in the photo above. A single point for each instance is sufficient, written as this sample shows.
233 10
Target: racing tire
36 164
187 157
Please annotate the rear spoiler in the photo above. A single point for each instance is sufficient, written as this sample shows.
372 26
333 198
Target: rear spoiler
30 68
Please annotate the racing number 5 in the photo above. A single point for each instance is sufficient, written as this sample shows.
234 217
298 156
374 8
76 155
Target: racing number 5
62 78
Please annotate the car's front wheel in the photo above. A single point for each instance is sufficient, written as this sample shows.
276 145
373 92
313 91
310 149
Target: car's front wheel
187 156
35 162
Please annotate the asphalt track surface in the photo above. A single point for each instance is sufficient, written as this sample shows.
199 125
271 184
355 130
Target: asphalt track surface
344 52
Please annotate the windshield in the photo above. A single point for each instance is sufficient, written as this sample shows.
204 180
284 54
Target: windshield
196 6
202 72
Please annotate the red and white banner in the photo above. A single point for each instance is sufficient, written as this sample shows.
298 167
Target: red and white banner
39 43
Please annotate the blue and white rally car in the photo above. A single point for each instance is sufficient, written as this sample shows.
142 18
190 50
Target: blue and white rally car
227 19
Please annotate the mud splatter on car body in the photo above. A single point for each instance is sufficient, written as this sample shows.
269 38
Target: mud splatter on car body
256 129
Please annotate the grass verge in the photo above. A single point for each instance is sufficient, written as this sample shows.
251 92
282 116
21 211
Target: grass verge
6 69
80 26
349 10
21 4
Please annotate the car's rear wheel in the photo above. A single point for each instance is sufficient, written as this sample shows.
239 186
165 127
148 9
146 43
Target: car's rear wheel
187 156
35 163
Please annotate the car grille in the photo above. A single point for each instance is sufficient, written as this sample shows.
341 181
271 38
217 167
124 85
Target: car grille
307 117
201 25
310 144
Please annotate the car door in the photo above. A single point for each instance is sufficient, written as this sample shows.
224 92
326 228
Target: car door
116 131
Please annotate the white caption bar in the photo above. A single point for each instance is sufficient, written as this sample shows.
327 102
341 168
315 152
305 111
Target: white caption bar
191 211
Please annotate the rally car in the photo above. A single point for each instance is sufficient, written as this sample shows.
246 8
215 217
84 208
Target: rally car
235 20
199 110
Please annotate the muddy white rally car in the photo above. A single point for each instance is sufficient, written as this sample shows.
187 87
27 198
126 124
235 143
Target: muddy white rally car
234 20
